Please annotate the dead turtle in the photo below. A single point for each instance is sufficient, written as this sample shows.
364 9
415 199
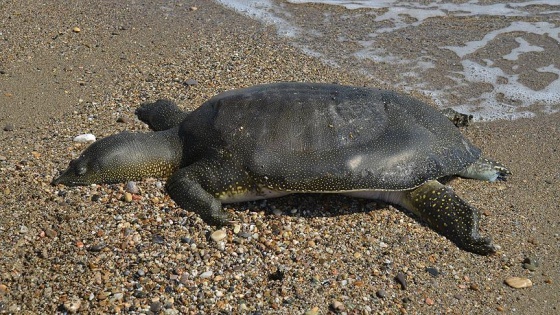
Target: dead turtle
277 139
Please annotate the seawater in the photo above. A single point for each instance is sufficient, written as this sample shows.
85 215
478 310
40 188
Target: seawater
520 80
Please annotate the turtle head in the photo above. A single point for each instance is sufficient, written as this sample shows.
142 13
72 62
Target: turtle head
123 157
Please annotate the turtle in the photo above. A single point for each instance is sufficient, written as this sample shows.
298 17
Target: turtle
276 139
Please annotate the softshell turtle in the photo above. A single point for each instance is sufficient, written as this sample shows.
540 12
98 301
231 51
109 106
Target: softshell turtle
277 139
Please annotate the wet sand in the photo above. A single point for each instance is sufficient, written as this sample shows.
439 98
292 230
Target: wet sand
86 247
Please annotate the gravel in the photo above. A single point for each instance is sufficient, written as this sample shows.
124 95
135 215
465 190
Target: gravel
137 252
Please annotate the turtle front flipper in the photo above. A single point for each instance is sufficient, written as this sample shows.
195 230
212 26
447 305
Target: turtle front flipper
450 216
184 186
161 115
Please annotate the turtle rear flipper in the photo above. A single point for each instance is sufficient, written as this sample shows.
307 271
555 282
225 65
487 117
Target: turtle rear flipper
449 215
486 169
161 115
184 187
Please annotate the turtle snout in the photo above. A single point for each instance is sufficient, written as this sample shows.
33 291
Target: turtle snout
75 174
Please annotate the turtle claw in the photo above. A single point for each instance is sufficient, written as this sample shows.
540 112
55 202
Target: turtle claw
502 172
480 245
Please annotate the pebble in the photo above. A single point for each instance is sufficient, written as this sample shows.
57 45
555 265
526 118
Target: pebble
132 188
381 294
432 271
313 311
236 228
218 235
9 127
156 307
337 306
76 29
102 295
518 283
97 248
429 301
123 119
116 297
158 239
73 305
401 279
206 274
87 137
530 264
127 197
191 82
23 229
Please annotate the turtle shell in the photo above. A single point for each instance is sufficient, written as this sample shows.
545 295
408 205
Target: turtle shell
327 137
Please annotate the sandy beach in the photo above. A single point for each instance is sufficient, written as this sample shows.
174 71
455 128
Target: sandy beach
73 68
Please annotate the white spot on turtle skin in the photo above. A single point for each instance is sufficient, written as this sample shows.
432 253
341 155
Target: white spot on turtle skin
354 162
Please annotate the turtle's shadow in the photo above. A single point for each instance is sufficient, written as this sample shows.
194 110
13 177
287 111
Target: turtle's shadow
308 205
319 206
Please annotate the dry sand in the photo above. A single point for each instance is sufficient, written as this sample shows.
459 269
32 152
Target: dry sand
86 248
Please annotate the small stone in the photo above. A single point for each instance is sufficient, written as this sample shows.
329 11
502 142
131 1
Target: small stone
73 305
132 188
127 197
156 307
193 8
76 29
191 82
500 308
313 311
518 283
218 235
9 127
102 295
187 240
381 294
158 239
116 297
206 274
429 301
474 287
87 137
23 229
50 233
337 306
7 191
97 248
530 264
401 279
123 119
236 228
432 271
244 235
